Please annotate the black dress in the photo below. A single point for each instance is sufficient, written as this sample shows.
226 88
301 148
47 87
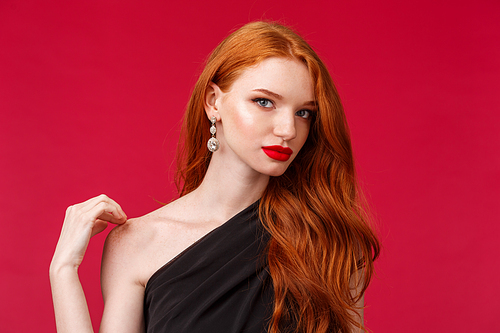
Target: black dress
220 284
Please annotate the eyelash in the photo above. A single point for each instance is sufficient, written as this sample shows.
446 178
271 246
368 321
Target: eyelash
260 100
309 113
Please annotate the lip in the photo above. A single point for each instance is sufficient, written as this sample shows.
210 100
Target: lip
278 153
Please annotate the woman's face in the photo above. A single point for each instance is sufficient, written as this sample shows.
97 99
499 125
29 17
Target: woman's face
265 115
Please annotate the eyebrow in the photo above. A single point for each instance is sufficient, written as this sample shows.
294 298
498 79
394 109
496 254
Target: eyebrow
269 93
278 96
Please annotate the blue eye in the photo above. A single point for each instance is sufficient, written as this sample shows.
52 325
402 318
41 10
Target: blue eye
264 102
304 113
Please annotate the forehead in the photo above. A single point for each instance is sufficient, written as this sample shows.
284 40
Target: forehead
287 77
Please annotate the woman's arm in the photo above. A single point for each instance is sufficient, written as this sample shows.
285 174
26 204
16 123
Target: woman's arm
82 221
123 278
70 305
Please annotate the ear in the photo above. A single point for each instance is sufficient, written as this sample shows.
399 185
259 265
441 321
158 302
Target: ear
212 94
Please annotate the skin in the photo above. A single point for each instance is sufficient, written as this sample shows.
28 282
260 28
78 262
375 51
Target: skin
269 104
263 110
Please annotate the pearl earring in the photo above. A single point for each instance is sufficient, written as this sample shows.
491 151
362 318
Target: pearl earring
213 144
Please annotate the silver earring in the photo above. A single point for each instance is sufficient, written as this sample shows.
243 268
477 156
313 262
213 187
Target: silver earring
213 144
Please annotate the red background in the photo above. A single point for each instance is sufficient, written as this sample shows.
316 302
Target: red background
91 94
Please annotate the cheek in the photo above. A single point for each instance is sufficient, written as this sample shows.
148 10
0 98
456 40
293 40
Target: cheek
237 124
243 121
303 132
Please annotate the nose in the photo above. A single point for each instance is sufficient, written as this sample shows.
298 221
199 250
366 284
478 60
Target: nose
284 126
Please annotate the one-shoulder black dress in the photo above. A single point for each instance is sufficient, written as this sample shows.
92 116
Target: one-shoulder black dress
220 284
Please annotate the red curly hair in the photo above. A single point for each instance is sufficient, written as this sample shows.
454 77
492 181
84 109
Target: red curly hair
321 241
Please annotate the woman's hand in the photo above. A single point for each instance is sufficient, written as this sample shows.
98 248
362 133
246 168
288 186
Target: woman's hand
83 221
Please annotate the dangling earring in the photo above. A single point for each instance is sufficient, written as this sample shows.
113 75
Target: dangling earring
213 144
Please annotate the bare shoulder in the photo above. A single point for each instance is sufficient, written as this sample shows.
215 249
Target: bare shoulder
135 250
143 245
124 240
129 246
128 262
122 275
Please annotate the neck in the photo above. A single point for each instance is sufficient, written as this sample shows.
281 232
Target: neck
225 190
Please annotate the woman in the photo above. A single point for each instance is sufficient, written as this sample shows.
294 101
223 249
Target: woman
267 234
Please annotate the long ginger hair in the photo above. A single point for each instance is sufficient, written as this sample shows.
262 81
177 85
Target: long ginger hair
322 248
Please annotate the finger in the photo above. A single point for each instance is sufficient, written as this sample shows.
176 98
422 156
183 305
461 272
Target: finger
93 202
119 210
99 226
110 216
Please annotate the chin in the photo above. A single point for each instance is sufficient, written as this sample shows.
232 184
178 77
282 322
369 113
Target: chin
275 172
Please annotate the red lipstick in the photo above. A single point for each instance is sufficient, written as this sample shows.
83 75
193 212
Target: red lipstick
277 152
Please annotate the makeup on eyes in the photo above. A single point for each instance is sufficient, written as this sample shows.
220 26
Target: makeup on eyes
259 100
